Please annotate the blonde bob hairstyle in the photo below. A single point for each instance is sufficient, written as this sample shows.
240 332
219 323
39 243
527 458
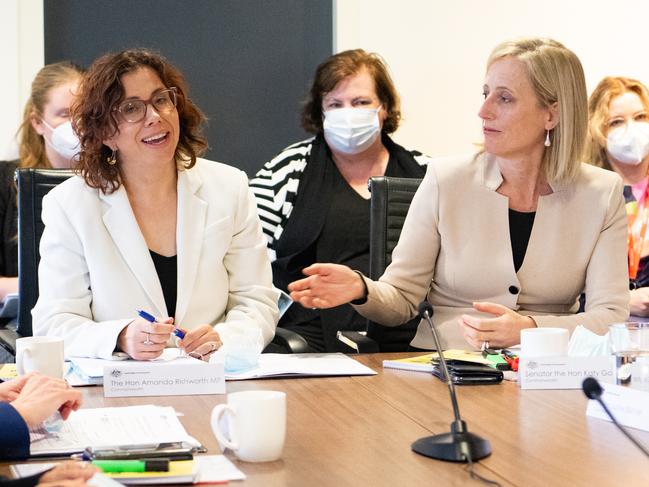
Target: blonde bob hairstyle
556 76
31 144
598 110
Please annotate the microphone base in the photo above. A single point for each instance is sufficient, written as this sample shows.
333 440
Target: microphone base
454 446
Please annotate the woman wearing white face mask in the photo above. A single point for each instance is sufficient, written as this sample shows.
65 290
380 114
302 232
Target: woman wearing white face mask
313 199
46 140
619 141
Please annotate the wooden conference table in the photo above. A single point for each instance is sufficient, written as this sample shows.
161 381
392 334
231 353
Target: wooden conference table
358 430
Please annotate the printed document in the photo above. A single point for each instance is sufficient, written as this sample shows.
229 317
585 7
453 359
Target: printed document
110 427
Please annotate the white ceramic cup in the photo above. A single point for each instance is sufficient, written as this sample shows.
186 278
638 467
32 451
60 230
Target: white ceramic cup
256 422
544 342
40 354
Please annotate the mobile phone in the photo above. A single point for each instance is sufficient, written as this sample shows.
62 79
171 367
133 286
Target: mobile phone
469 373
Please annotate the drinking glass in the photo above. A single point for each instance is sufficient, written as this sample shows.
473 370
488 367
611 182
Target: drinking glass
629 341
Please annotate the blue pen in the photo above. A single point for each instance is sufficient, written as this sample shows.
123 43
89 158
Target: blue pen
151 319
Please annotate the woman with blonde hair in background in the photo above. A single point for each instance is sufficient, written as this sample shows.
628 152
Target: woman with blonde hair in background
619 141
46 140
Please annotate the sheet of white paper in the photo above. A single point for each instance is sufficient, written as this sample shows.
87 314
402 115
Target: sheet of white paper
629 406
303 364
28 469
216 468
94 367
110 427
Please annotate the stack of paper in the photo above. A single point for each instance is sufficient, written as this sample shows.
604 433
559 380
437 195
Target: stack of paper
110 427
180 472
423 363
90 371
302 364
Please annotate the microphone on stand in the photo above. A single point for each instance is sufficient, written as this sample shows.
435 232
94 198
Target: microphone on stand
459 445
593 390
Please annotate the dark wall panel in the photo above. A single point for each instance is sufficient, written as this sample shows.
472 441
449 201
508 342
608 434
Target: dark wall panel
248 63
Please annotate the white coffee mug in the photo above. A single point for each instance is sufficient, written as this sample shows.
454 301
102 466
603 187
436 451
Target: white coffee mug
40 354
256 422
544 342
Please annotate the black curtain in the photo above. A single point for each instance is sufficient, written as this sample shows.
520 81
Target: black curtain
248 63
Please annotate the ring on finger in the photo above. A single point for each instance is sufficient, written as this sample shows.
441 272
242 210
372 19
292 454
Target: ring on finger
485 345
196 354
148 339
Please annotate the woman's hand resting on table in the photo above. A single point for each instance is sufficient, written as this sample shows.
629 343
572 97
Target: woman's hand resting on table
327 286
37 396
68 474
639 301
503 330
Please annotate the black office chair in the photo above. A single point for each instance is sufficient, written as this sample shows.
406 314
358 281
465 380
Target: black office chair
390 201
33 185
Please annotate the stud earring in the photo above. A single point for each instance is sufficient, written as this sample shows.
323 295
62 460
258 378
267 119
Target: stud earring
547 139
112 159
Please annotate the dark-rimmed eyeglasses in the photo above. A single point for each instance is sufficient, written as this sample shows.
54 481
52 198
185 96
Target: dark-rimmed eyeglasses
134 111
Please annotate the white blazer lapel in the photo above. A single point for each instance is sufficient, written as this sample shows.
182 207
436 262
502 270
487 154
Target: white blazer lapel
190 227
123 228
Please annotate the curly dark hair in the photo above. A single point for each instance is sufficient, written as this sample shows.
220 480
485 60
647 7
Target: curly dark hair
339 66
95 120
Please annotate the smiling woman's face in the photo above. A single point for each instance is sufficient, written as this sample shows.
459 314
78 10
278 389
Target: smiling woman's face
152 140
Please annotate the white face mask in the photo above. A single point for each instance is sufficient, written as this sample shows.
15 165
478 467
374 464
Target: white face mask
629 144
63 140
351 130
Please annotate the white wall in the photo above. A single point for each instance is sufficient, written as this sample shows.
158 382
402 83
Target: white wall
21 56
436 50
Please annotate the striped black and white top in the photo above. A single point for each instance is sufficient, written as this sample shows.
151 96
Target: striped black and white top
276 186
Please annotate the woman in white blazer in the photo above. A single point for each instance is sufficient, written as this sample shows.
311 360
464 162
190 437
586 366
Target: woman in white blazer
149 226
509 238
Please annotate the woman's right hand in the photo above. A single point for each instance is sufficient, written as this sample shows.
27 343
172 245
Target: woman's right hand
327 286
639 301
143 340
68 474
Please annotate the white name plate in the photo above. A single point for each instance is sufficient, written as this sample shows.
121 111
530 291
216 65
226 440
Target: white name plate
168 378
629 406
564 372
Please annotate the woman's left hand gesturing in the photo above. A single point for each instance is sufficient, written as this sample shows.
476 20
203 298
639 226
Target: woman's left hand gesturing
201 342
504 330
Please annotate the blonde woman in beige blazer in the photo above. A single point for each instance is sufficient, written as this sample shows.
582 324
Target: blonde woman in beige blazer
150 226
456 250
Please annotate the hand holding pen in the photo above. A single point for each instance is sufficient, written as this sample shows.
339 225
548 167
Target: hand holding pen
179 333
200 343
144 339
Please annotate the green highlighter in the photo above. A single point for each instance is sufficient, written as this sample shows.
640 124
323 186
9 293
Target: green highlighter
497 361
117 466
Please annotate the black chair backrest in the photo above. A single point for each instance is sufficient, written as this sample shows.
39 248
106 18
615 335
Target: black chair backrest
33 184
391 198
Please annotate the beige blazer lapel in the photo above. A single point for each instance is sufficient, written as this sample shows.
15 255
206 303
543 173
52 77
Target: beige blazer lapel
190 227
120 222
